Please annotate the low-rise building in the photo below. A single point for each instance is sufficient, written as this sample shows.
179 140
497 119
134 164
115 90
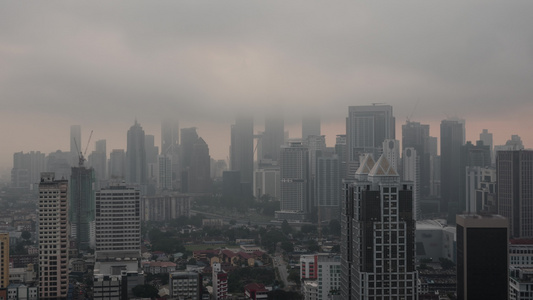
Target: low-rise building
185 285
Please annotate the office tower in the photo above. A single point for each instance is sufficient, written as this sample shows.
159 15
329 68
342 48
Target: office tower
434 168
75 144
188 139
242 150
53 237
316 145
482 257
200 170
273 137
267 182
59 163
185 285
480 189
451 139
117 165
170 136
416 135
165 172
471 156
136 156
27 168
152 152
514 180
486 137
366 129
82 206
378 235
310 126
220 282
294 173
118 229
340 150
515 143
4 260
411 172
391 150
328 187
320 274
98 160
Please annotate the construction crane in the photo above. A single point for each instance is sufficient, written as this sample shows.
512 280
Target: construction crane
81 156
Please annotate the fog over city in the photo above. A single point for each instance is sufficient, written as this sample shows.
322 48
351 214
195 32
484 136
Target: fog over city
103 64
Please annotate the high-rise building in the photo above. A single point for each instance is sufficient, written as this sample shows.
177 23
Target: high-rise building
486 138
98 160
273 137
165 172
199 175
4 260
378 235
411 172
322 271
366 129
75 144
118 230
451 139
482 257
294 173
165 207
136 156
53 237
27 168
514 181
170 136
391 150
82 207
340 150
310 126
220 282
152 152
328 187
117 165
416 135
242 150
185 285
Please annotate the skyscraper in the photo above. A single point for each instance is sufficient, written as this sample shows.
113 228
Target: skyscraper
310 126
366 129
189 136
411 172
273 137
416 135
391 150
486 137
53 237
200 169
482 257
98 160
82 206
169 136
136 156
117 165
514 181
75 144
471 156
294 173
242 150
378 232
328 187
451 139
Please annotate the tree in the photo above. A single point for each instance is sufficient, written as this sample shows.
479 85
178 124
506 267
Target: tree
308 229
145 291
294 276
283 295
26 235
445 263
287 246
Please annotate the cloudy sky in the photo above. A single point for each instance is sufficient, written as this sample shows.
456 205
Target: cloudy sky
101 64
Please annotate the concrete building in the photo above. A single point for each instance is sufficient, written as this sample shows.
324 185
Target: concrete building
294 172
411 172
53 237
220 282
482 257
170 137
165 207
514 180
328 187
117 165
22 292
435 239
325 271
199 175
378 235
273 137
164 181
27 168
391 150
366 129
416 135
82 207
267 182
185 285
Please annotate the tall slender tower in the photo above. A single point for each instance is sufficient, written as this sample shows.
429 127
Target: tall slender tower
294 173
136 156
416 135
82 206
273 137
53 237
378 238
242 151
451 139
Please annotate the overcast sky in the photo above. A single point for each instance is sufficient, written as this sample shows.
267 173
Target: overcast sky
101 64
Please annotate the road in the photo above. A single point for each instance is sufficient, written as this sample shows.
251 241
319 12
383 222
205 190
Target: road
280 264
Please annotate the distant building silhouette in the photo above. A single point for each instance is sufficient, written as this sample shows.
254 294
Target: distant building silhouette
452 138
310 126
416 135
242 150
75 144
117 165
136 156
200 169
273 137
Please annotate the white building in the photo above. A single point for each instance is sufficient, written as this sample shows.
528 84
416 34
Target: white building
411 172
53 237
321 275
220 282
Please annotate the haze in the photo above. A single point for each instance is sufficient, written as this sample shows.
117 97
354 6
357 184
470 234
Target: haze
102 64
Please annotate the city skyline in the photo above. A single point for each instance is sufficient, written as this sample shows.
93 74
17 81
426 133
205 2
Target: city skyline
102 66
